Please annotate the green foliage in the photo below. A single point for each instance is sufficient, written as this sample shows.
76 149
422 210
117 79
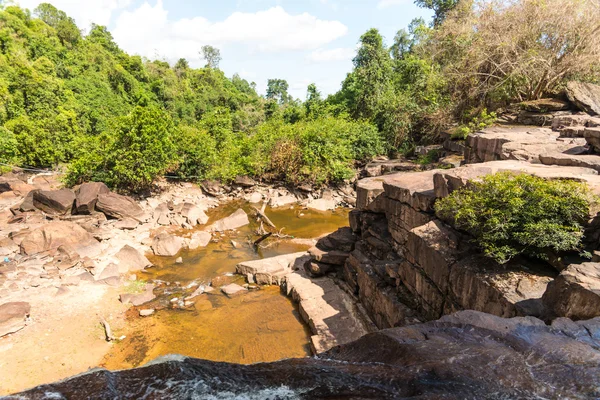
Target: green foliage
9 148
512 214
431 157
478 122
441 8
277 89
212 55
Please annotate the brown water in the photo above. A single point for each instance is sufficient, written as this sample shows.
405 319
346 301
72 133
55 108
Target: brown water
257 326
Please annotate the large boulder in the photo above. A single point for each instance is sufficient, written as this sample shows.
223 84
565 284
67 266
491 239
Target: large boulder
234 221
575 293
117 206
586 96
51 236
130 259
199 239
13 316
165 244
56 202
193 214
87 196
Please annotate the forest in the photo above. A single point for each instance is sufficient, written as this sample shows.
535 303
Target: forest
80 103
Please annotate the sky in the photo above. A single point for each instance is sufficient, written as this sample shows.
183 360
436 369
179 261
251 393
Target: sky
303 42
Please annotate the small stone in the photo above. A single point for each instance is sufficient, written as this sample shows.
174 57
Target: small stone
233 289
179 260
146 313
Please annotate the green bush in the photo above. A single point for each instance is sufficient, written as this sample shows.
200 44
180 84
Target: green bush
477 122
511 214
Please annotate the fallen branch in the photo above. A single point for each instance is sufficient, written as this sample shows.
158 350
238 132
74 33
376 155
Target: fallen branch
107 330
262 238
262 215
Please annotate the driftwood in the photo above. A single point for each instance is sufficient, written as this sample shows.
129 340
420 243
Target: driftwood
262 215
107 330
263 237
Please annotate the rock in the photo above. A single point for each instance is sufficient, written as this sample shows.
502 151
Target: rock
282 201
179 260
544 105
140 298
322 204
244 181
165 244
87 196
199 239
109 272
342 240
51 236
316 268
592 137
575 293
270 271
193 214
585 96
568 160
367 192
13 317
534 118
382 167
233 289
415 189
234 221
334 257
254 198
212 188
127 224
27 204
468 355
117 206
130 259
56 202
147 312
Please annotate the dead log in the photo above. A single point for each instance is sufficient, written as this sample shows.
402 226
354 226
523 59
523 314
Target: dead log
262 215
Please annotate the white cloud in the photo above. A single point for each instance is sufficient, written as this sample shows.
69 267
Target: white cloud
333 55
93 11
148 31
388 3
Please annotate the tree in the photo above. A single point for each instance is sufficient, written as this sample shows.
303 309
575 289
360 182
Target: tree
314 102
212 55
65 26
277 89
441 8
101 35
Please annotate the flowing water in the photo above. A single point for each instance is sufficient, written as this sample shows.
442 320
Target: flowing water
258 326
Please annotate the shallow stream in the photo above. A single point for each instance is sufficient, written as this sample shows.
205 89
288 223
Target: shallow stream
258 326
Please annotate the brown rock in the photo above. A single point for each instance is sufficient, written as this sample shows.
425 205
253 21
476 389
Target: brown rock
244 181
586 96
165 244
130 259
334 257
575 293
234 221
233 289
341 240
545 105
55 234
87 196
199 239
13 316
57 202
117 206
193 214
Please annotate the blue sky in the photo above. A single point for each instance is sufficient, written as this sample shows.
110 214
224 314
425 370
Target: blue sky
300 41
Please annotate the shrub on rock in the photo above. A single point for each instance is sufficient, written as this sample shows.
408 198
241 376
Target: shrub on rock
511 214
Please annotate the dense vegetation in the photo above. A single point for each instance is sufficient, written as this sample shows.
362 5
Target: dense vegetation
80 101
512 214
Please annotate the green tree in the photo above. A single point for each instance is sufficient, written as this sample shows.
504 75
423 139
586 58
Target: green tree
212 55
277 89
65 26
440 8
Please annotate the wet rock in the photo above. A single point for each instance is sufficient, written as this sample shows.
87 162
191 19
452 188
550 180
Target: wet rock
117 206
51 236
545 105
130 259
193 214
234 221
233 289
199 239
56 202
585 96
13 317
165 244
87 196
575 293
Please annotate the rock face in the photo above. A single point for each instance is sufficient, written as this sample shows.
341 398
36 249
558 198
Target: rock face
51 236
586 96
575 293
13 316
57 202
117 206
87 196
234 221
165 244
468 355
